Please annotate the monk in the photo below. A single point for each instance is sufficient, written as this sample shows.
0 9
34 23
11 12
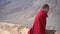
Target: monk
39 26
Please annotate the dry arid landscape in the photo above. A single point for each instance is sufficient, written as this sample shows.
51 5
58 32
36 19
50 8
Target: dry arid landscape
8 28
17 16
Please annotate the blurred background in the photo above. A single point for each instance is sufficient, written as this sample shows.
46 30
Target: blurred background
24 11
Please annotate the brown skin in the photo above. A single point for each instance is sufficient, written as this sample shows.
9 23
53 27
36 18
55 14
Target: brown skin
46 9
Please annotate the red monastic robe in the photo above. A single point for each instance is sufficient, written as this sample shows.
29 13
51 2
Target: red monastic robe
39 26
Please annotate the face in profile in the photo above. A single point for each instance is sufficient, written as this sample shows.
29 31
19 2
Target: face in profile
47 9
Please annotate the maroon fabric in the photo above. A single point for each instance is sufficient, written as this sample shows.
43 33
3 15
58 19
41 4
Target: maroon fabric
39 25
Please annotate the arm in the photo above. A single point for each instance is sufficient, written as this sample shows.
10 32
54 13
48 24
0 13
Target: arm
42 23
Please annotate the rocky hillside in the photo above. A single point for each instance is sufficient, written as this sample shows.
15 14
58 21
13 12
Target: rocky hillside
24 11
8 28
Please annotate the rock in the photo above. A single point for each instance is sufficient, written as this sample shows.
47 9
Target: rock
9 28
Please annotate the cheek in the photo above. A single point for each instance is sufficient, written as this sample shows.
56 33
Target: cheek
47 9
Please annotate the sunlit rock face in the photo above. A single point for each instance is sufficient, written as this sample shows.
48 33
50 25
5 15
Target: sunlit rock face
8 28
24 11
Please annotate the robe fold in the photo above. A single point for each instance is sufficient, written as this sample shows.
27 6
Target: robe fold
39 26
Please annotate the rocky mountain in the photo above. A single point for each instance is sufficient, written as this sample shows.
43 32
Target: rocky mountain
24 11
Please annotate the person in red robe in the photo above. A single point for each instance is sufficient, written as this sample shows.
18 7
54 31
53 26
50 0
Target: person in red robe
39 26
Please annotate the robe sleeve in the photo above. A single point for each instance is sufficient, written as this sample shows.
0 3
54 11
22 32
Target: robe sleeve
42 23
